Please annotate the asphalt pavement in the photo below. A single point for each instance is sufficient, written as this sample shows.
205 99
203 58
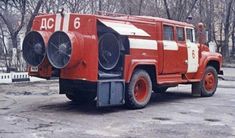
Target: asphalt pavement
36 110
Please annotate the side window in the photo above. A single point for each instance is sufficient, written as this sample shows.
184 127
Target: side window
168 32
190 34
180 34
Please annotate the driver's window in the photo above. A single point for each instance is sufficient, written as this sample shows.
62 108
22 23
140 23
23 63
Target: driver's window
180 34
168 33
190 35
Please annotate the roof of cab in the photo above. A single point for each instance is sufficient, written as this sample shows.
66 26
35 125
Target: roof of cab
158 19
146 19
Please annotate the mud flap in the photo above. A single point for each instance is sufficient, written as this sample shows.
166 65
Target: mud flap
196 89
110 93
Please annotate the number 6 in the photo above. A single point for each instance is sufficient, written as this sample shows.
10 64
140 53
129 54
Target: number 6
76 23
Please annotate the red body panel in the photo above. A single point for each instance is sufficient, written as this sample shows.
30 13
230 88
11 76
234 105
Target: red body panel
206 57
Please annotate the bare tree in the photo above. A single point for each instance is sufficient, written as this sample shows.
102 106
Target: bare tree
10 11
34 13
167 9
14 16
53 6
233 33
4 49
225 48
77 5
179 9
7 14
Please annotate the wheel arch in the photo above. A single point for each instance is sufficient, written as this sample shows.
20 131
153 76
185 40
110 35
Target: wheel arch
214 61
149 67
215 64
138 91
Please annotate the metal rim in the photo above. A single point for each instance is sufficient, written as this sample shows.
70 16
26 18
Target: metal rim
209 81
141 89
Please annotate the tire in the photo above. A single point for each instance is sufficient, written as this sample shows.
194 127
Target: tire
161 90
208 85
139 90
71 97
209 82
81 97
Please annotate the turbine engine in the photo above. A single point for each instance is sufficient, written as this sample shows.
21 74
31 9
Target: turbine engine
65 49
34 47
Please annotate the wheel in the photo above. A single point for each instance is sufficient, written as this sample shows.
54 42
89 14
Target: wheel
71 97
209 82
161 90
139 90
208 85
82 97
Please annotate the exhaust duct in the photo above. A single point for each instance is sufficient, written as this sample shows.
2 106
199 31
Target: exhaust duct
34 50
64 49
109 51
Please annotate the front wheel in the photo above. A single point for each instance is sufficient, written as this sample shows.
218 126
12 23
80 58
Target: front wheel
139 90
161 90
208 84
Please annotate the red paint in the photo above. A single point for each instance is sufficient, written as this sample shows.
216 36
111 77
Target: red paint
209 82
141 89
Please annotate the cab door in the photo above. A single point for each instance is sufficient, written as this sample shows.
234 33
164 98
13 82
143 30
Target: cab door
193 51
175 50
182 52
170 50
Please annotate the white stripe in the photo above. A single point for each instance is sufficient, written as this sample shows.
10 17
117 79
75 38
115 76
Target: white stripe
193 33
125 28
192 49
66 22
57 22
194 39
143 44
170 45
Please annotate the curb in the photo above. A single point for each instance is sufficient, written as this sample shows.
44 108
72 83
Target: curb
226 78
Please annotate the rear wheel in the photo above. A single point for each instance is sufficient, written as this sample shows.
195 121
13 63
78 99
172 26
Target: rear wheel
161 90
84 97
71 97
139 90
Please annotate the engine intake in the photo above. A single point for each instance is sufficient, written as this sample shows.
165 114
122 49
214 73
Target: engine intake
34 50
64 49
109 51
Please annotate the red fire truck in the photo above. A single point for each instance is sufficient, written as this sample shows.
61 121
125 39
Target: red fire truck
120 60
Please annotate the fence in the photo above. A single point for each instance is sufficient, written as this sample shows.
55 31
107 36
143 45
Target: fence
17 77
